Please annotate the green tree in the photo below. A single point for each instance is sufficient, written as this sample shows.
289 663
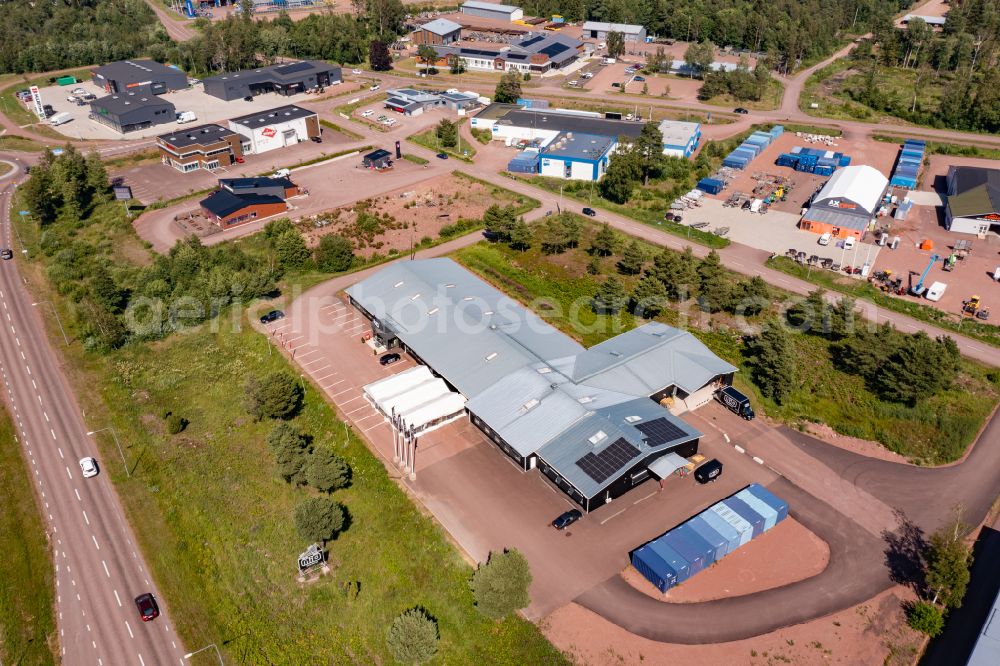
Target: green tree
948 560
649 297
274 396
925 618
520 235
594 266
616 44
318 519
605 242
413 637
553 236
811 314
714 289
427 55
632 259
649 149
616 186
447 133
378 56
699 57
500 585
106 291
327 471
508 89
571 227
610 297
841 318
290 248
97 177
750 297
457 65
499 221
771 362
176 423
334 254
919 368
290 449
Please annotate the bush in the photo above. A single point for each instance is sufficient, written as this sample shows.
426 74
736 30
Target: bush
500 586
413 636
176 423
334 254
290 449
276 396
318 519
327 471
926 618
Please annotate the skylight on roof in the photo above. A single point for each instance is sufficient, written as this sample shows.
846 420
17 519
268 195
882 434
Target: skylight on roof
597 437
415 296
433 311
531 403
544 370
488 312
583 400
398 284
633 419
491 356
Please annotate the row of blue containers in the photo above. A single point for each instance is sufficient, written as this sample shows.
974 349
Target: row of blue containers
813 160
710 185
753 146
911 158
682 552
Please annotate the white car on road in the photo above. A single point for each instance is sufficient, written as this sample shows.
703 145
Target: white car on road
374 87
355 71
366 114
88 466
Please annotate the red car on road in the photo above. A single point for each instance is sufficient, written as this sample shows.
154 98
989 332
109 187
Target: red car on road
148 610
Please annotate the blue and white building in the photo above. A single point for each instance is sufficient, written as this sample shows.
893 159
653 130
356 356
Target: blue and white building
577 156
680 139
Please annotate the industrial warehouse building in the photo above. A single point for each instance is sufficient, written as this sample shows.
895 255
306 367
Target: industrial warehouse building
412 102
203 147
134 110
492 10
600 30
118 77
539 126
534 53
242 200
680 139
973 200
276 128
284 79
594 421
847 204
577 156
438 32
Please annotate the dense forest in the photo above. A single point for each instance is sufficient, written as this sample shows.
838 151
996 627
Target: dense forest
962 61
44 36
788 30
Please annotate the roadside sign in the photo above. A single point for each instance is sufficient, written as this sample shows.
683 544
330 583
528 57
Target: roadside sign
310 558
122 192
37 100
22 213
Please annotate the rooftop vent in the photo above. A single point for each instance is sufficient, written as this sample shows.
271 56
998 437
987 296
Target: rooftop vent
398 284
597 437
415 296
583 400
633 419
433 311
544 370
491 356
531 403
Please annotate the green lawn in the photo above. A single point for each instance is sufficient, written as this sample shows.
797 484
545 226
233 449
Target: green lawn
464 151
937 431
20 143
350 134
768 102
27 588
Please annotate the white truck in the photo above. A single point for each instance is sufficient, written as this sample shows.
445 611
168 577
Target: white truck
61 118
186 117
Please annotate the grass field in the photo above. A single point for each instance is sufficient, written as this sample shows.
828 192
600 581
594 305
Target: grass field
20 143
464 151
937 431
938 148
768 102
350 134
27 588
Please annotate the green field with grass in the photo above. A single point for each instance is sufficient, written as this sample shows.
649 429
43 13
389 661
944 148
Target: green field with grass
937 430
350 134
27 588
20 143
939 148
464 151
769 101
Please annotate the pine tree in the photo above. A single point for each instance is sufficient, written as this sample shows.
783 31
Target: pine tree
841 318
520 235
290 247
413 637
610 297
447 133
605 242
918 368
571 228
274 396
750 297
771 362
810 315
499 221
318 519
290 449
334 254
500 585
649 297
714 290
632 259
327 471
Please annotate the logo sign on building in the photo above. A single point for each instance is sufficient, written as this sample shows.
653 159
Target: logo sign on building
311 558
122 192
37 100
269 132
992 217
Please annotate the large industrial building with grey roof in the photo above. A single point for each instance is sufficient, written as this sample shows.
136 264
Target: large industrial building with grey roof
597 422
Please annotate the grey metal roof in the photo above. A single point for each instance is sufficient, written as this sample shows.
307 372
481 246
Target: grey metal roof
647 360
440 27
986 651
280 114
837 218
624 28
126 102
579 146
201 135
569 122
134 71
289 72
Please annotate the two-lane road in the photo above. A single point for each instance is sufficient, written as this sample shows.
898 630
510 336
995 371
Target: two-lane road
99 570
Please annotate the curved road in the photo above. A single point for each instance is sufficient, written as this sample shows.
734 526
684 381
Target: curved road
99 569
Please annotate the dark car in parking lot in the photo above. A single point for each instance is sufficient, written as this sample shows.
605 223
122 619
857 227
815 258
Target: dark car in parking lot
273 315
708 472
590 211
389 359
567 519
148 610
740 109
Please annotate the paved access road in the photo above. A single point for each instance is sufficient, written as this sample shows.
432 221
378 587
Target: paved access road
99 569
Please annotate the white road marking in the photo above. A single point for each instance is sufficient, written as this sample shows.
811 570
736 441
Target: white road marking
85 519
141 662
53 433
61 453
70 474
45 414
118 599
106 572
319 379
77 494
95 541
129 627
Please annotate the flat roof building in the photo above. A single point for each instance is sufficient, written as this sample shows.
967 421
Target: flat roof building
134 110
492 10
242 200
532 53
203 147
276 128
600 30
592 420
123 75
262 185
847 204
284 79
437 32
377 159
542 125
973 200
680 139
577 156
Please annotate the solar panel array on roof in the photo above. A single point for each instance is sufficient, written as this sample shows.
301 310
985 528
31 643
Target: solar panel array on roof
531 40
659 431
294 67
602 465
554 49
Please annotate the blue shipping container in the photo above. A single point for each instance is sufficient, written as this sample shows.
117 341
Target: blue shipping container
770 515
694 554
718 542
653 568
747 513
765 495
710 185
706 548
727 531
739 523
672 558
777 130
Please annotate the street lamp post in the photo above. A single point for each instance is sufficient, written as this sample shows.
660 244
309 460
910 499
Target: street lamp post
210 645
117 443
58 320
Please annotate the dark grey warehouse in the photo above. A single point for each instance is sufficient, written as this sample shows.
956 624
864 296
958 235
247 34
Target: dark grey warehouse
124 75
131 111
285 79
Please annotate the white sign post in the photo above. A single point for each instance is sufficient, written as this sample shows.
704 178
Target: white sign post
37 99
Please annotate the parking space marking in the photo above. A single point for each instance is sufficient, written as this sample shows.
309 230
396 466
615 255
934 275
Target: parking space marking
347 390
319 379
365 418
311 351
365 406
318 360
380 423
339 381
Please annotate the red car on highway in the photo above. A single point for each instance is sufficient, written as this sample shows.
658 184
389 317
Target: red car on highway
148 610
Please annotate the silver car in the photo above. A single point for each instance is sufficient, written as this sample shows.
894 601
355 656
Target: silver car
88 466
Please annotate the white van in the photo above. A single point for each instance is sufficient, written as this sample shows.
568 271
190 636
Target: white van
186 117
849 243
609 61
936 291
282 173
825 238
61 118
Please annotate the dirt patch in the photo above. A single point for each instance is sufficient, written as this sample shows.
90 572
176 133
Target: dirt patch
862 447
785 554
872 633
401 219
